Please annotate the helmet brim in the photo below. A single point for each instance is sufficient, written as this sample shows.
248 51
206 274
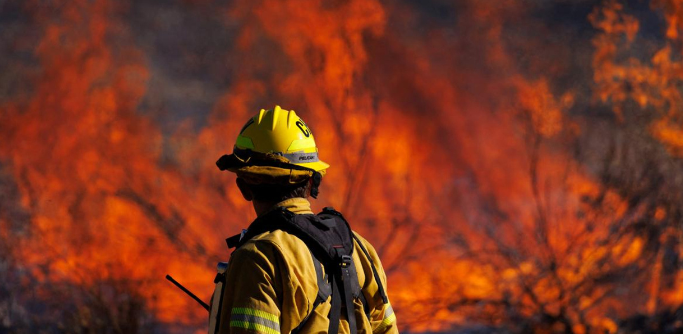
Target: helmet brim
317 166
270 167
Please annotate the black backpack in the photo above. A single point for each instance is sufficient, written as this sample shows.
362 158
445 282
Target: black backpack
331 243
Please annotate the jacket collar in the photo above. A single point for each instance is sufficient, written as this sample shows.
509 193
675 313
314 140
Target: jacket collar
297 205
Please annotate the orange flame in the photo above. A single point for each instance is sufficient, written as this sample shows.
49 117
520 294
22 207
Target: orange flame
463 180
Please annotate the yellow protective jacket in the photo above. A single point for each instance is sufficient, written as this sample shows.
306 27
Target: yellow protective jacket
271 286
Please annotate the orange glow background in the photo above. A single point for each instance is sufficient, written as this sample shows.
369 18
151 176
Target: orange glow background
517 165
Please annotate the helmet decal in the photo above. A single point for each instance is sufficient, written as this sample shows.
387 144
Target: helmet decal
302 126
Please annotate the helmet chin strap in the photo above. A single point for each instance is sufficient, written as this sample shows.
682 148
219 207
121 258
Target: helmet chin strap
315 183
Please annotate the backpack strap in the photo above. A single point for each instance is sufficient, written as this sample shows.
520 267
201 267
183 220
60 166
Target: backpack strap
324 292
380 287
348 277
324 288
335 309
233 241
342 294
332 239
269 222
375 273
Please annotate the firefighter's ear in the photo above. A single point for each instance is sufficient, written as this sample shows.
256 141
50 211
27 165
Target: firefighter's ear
244 189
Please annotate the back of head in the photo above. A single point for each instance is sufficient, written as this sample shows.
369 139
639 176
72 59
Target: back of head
274 193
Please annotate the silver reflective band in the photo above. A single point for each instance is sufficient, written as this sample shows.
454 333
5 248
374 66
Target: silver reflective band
300 157
388 312
253 319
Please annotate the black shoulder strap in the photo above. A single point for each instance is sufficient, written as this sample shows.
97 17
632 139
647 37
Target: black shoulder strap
380 287
234 241
324 292
375 273
276 219
324 289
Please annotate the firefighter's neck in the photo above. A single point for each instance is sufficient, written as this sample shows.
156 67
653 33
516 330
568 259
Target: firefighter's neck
262 207
297 205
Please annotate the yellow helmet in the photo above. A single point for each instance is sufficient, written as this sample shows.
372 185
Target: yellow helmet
284 133
275 146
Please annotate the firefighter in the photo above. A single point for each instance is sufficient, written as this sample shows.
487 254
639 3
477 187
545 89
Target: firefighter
293 271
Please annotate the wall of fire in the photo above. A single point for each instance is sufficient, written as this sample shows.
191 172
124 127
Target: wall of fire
516 163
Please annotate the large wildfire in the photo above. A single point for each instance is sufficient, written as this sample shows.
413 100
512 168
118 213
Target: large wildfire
516 163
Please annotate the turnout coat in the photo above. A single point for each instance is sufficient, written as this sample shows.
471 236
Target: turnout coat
271 285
